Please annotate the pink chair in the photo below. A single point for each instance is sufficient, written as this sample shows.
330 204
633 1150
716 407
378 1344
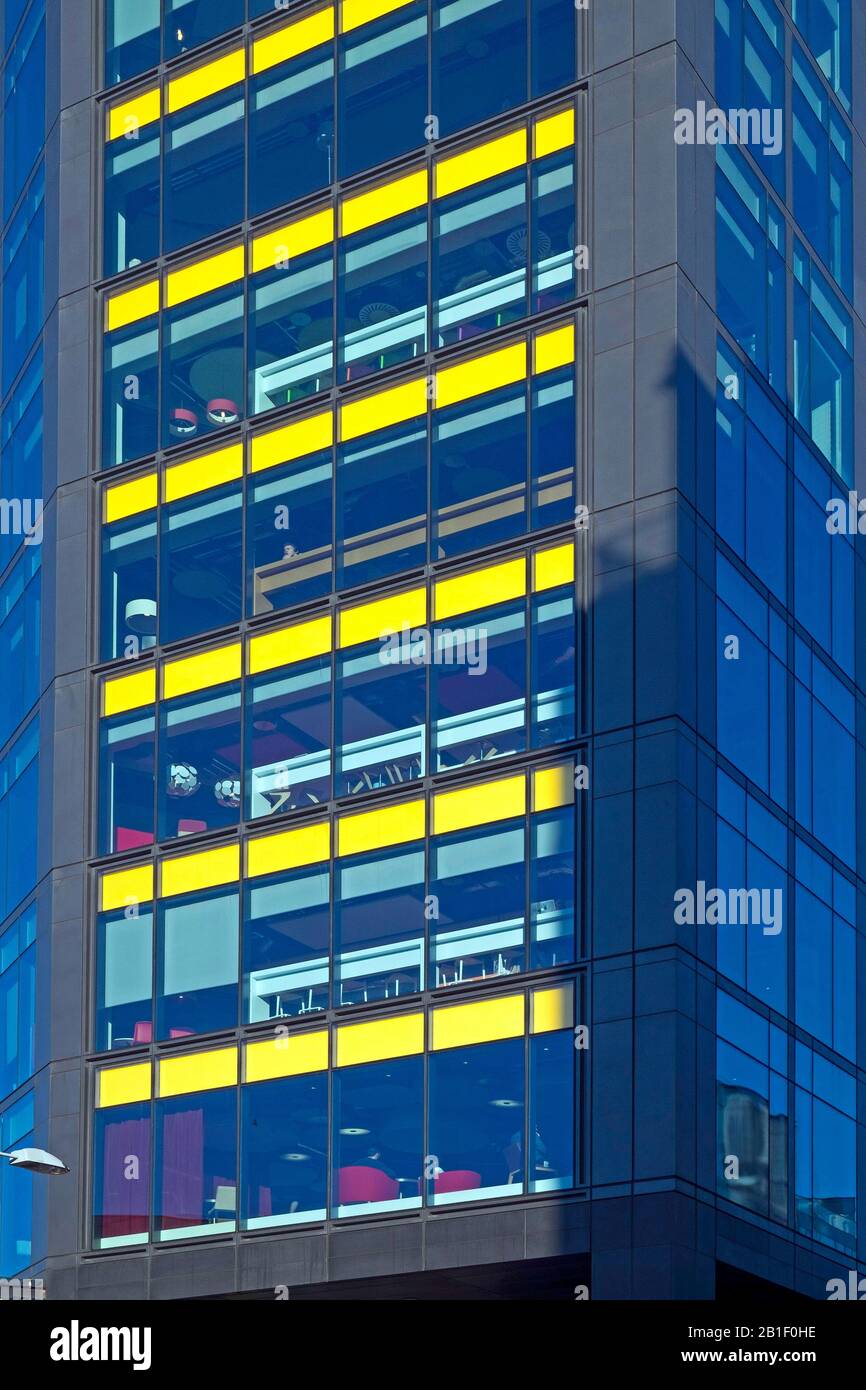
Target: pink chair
125 838
457 1180
181 1032
190 827
142 1033
360 1184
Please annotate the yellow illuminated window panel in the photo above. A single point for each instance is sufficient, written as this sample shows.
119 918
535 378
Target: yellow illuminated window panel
289 644
553 567
552 133
386 408
204 276
130 692
129 116
466 593
277 248
482 162
380 1039
201 671
553 787
386 200
554 349
293 441
551 1009
193 873
486 1020
293 1054
198 1071
354 13
294 39
479 805
139 303
393 825
480 374
123 1085
129 499
206 81
126 888
371 621
199 474
274 854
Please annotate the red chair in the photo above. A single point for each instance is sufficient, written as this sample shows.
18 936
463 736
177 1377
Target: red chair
366 1185
181 1032
457 1180
190 827
142 1033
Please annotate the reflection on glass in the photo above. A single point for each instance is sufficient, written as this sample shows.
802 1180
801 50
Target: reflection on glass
378 1137
286 942
284 1140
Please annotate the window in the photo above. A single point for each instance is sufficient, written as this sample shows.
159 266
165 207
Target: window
822 173
284 1144
383 89
478 461
379 925
20 627
479 64
823 563
128 586
19 787
477 1110
825 1151
204 168
383 296
199 786
751 1110
825 754
17 1001
124 978
126 781
552 38
478 687
750 266
23 105
16 1190
478 896
200 563
826 27
203 365
286 944
381 504
751 686
130 395
121 1175
823 366
196 1164
751 854
197 964
750 69
480 245
554 867
554 218
131 38
289 738
291 134
21 442
23 280
751 473
380 721
378 1137
132 198
554 662
553 448
187 23
291 331
825 951
289 534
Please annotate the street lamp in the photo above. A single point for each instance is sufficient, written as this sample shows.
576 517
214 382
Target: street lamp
35 1161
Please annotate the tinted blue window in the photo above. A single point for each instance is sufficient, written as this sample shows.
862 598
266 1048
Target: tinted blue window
826 26
204 168
196 1163
132 198
822 173
383 89
188 23
479 60
23 280
131 38
24 106
197 964
552 41
823 376
750 68
378 1137
284 1140
291 130
750 272
286 943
